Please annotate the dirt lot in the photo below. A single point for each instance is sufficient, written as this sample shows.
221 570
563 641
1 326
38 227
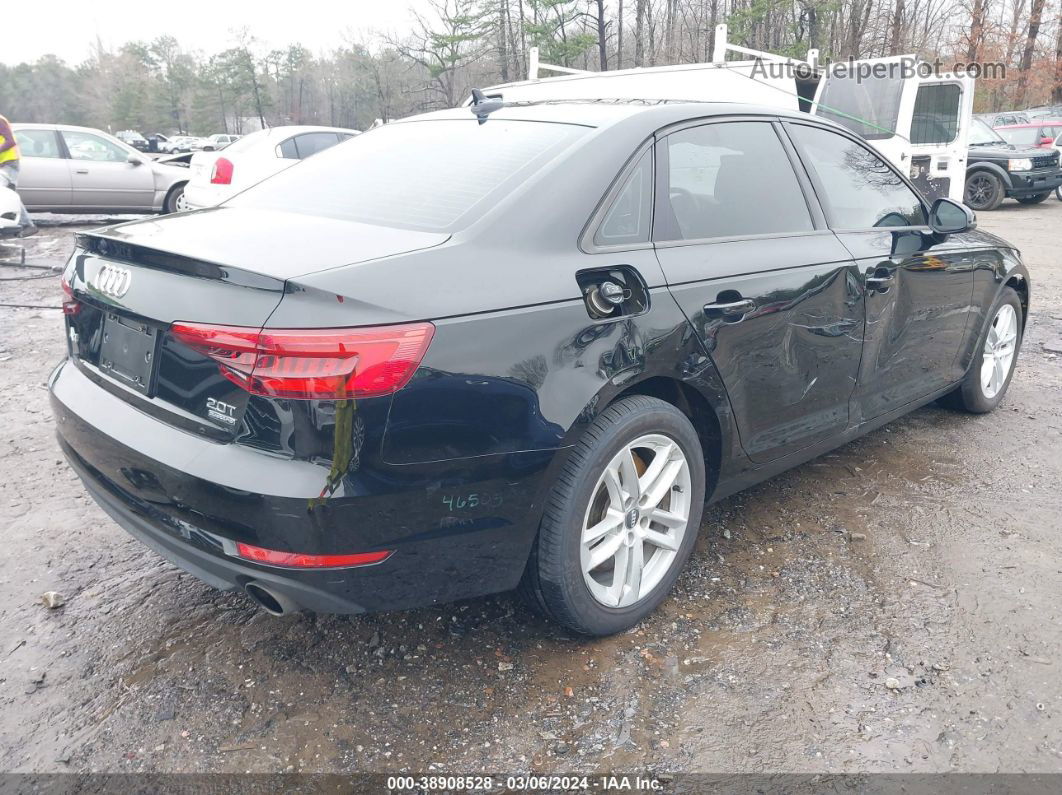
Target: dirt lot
893 606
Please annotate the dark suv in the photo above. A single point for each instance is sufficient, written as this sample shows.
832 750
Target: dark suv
522 345
996 170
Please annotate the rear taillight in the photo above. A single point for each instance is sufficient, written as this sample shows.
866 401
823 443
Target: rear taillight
299 560
70 303
312 364
222 172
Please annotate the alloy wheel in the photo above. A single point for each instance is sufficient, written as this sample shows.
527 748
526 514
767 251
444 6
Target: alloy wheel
998 356
980 191
636 521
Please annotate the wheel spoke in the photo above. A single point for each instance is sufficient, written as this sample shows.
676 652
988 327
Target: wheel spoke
629 475
987 368
619 576
667 518
661 485
605 550
635 563
613 520
998 376
662 540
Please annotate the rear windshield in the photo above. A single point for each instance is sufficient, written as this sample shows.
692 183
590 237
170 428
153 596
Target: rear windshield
429 175
1020 136
868 107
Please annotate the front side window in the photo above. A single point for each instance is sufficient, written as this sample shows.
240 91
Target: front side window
936 114
37 143
858 188
727 180
983 135
86 146
426 175
627 220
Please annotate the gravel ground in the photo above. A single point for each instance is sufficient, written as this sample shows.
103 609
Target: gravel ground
892 606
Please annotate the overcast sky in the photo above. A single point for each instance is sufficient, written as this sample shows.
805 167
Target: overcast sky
67 28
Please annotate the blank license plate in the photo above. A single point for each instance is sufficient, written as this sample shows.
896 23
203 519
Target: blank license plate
128 352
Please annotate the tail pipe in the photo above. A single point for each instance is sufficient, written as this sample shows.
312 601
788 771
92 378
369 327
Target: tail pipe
269 600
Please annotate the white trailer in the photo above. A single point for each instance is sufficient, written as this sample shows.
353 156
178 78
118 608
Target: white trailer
918 120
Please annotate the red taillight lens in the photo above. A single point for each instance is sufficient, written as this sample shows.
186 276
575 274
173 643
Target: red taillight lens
222 172
313 364
299 560
70 303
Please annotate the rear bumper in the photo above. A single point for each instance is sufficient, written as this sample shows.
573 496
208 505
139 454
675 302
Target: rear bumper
191 499
200 196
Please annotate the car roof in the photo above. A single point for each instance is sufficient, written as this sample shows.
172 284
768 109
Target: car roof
1030 125
604 112
72 127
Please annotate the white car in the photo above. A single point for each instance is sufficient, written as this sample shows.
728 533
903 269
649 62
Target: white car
218 175
219 141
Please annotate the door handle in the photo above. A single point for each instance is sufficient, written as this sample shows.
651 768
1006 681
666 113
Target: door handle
880 280
80 170
731 308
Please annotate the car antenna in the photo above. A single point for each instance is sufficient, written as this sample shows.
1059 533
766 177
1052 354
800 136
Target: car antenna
483 106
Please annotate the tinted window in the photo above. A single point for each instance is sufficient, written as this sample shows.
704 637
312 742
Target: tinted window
312 143
37 143
429 175
1019 136
86 146
728 180
868 107
936 114
287 150
859 189
627 220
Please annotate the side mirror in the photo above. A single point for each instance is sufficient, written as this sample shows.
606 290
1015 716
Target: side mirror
134 160
947 217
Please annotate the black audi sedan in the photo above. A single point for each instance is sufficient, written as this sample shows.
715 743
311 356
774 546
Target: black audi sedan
518 346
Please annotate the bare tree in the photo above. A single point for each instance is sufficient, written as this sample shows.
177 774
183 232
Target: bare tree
1035 16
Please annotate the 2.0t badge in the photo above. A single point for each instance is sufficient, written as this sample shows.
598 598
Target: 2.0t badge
222 412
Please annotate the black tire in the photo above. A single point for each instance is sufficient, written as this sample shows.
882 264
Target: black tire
170 205
984 191
553 580
970 395
1034 199
1058 193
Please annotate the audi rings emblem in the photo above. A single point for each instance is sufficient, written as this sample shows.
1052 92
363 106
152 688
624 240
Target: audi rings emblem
112 281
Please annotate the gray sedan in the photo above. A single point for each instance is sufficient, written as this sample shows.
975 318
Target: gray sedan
68 169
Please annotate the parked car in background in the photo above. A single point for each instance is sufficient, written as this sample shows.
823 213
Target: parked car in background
217 176
518 346
1053 112
69 169
1040 134
997 119
219 141
998 170
133 139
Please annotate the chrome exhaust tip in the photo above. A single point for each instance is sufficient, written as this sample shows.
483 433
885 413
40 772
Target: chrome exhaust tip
269 600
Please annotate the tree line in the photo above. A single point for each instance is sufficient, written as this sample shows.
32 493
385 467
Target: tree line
454 45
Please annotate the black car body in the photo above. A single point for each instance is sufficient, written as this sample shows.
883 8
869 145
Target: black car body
776 345
993 173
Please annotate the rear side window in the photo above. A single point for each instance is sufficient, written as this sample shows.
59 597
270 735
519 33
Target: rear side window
627 220
859 190
936 114
312 143
37 143
425 175
730 179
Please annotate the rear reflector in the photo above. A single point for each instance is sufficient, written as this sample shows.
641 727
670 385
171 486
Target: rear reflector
312 364
221 174
298 560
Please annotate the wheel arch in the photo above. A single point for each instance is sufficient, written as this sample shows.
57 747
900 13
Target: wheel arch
993 169
1020 285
